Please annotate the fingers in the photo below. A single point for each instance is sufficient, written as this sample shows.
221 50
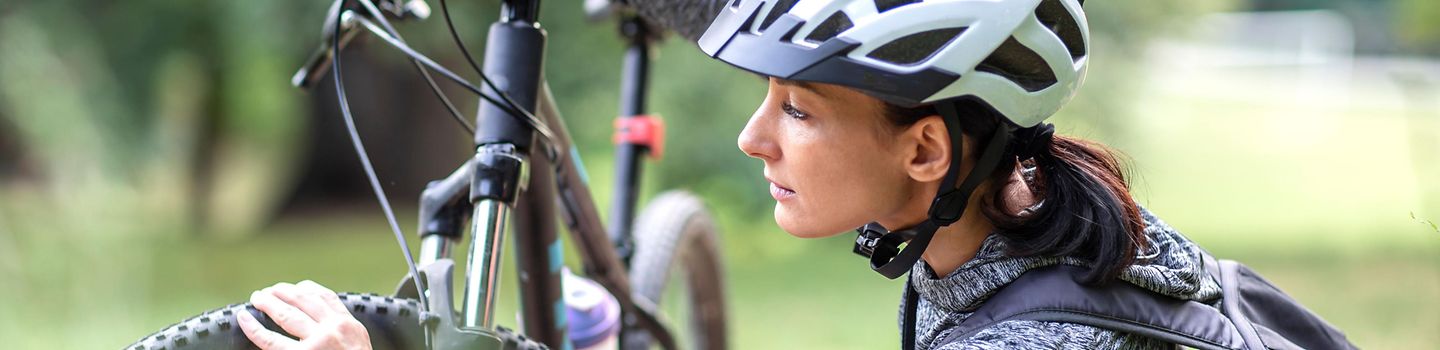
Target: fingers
306 298
340 330
312 313
331 299
263 338
289 317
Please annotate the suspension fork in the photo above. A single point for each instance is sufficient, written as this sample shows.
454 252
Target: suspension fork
445 206
483 188
498 175
513 57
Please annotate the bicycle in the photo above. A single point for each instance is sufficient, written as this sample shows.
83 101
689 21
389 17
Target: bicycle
633 260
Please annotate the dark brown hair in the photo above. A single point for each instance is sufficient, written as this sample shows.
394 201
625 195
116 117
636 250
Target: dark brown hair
1087 211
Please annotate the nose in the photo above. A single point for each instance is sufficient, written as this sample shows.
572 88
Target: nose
757 140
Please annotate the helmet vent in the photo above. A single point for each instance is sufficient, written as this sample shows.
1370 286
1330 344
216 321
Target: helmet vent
1018 63
780 8
914 48
832 26
886 5
1053 15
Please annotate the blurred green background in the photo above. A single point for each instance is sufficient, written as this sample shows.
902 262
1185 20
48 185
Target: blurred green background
155 163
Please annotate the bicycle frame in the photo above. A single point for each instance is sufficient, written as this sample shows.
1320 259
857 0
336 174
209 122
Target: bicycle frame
498 185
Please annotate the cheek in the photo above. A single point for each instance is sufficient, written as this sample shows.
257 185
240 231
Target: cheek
840 187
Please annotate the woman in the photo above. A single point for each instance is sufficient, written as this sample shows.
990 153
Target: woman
870 106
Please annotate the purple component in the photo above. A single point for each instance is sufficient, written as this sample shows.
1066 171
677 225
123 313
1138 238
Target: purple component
593 314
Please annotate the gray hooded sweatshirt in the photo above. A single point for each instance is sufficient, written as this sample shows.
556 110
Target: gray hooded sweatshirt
1171 266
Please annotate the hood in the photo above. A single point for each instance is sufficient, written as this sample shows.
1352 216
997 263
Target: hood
1171 265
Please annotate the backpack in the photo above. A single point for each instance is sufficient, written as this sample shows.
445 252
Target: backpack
1252 314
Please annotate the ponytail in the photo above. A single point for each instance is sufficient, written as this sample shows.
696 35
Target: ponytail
1085 212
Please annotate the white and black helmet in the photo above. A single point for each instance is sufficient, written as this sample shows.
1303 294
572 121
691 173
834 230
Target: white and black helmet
1023 58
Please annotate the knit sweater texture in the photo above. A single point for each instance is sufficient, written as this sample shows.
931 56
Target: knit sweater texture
1171 265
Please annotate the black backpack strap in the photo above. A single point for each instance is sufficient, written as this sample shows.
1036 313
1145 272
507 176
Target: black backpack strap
907 330
1267 316
1229 285
1051 294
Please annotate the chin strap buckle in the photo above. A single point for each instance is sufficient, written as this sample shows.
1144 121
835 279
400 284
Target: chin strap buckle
873 239
867 238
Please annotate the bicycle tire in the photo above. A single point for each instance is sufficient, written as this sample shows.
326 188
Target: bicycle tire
392 323
676 232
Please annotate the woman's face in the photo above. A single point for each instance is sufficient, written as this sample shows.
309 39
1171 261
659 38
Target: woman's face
833 161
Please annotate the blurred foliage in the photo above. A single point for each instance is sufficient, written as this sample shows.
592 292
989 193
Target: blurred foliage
126 127
168 99
189 101
1382 26
132 124
1417 22
236 130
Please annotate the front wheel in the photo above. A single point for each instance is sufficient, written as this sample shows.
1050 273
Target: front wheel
677 267
393 323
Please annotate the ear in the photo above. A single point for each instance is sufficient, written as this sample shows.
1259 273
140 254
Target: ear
928 143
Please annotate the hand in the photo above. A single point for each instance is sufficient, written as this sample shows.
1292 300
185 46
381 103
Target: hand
307 310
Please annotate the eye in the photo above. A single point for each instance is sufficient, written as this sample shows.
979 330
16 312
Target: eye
793 112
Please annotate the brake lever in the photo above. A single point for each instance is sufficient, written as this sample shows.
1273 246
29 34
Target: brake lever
412 9
319 62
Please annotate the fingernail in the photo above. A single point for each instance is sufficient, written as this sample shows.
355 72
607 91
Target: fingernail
245 318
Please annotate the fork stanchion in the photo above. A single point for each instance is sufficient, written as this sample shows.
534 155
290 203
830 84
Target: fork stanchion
482 276
433 248
495 183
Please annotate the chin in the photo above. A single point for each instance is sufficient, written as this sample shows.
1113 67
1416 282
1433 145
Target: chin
790 223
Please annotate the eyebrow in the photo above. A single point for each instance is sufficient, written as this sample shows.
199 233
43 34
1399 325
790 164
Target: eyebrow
803 85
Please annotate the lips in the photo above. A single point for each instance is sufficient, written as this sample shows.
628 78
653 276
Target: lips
780 192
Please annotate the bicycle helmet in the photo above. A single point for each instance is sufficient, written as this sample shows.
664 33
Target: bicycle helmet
1021 58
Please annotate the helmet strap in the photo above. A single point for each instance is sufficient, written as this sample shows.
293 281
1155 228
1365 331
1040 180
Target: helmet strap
883 247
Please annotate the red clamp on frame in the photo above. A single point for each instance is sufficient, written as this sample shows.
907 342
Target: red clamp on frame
642 130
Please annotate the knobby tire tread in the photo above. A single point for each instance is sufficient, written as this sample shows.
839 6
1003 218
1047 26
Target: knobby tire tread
392 323
676 232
